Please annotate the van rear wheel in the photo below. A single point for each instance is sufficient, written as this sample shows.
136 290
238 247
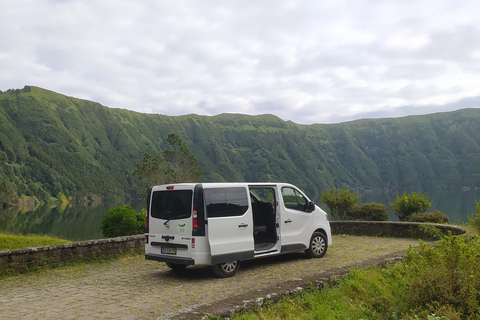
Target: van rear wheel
318 245
226 269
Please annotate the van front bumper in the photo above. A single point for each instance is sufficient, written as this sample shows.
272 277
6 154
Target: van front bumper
173 259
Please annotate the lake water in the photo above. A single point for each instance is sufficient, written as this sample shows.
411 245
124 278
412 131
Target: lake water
78 223
74 223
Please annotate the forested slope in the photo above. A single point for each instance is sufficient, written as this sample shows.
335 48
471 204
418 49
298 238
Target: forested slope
51 143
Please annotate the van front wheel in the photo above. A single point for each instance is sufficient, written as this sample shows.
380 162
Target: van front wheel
226 269
318 245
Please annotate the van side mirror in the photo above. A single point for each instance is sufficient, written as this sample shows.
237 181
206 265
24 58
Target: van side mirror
311 207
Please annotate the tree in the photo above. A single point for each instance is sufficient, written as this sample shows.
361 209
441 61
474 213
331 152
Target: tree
123 221
340 202
410 204
169 166
153 170
185 165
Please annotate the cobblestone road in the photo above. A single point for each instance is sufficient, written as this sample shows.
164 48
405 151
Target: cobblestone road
134 288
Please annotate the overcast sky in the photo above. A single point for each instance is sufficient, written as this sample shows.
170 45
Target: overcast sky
323 61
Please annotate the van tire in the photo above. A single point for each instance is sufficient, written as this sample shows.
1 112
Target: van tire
176 266
226 269
318 245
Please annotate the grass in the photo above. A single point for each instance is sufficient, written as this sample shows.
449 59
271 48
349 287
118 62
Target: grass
372 293
440 283
12 241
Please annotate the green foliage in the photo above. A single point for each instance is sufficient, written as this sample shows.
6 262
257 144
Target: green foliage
433 283
340 202
123 221
411 204
12 241
51 143
433 217
475 221
444 278
369 212
170 166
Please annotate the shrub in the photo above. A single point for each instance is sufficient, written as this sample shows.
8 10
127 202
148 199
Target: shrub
340 202
123 221
433 217
370 212
444 278
476 221
411 204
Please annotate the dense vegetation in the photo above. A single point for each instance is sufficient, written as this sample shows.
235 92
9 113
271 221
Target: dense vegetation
123 221
443 281
53 145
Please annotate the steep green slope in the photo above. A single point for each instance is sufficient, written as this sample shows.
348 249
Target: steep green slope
50 143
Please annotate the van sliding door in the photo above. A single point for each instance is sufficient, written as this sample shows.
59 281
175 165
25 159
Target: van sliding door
230 224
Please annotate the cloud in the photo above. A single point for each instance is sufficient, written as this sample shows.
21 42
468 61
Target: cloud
305 61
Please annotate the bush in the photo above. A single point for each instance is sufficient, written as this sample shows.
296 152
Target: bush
123 221
476 221
370 212
433 217
444 278
411 204
340 202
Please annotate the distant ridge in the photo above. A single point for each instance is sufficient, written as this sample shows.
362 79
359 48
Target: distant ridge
51 144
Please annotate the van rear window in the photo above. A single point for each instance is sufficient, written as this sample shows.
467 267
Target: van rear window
225 202
170 205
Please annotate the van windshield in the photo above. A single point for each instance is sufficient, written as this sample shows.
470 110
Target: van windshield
172 204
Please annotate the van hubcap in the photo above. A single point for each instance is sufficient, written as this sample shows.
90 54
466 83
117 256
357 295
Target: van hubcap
229 266
318 245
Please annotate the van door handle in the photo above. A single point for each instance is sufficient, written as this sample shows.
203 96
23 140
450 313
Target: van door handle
243 225
288 221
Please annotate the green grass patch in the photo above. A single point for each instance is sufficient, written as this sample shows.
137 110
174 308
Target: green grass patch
12 241
432 282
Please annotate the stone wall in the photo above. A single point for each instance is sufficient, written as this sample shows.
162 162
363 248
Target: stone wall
391 229
18 260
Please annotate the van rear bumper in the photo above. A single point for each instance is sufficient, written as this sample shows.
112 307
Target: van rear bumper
177 260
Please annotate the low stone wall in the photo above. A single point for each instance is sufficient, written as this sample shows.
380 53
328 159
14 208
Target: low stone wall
18 260
391 229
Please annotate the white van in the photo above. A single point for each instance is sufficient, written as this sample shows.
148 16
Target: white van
220 224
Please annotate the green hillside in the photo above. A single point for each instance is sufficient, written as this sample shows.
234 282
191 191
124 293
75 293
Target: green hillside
51 143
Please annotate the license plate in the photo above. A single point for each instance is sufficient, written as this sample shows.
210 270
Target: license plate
166 250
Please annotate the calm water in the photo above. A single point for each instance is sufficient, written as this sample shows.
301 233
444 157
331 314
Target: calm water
83 223
74 223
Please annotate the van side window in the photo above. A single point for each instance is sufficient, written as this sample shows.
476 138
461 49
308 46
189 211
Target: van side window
169 205
294 199
226 202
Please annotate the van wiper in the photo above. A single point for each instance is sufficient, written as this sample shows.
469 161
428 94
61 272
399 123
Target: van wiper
165 223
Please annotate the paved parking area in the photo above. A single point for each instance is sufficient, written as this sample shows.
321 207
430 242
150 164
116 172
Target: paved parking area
134 288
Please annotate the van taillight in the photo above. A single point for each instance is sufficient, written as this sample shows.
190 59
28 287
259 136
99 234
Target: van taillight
193 242
198 212
194 219
146 239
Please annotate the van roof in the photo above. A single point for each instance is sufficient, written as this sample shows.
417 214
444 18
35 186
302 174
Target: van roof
227 184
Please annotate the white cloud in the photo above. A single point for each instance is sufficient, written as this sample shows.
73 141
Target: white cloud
305 61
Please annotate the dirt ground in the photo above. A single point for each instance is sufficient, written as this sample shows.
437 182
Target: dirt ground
134 288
